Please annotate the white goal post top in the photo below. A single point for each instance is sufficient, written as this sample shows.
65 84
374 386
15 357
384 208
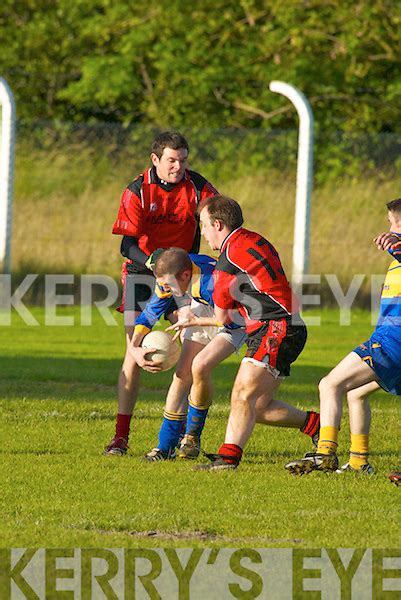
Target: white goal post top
300 253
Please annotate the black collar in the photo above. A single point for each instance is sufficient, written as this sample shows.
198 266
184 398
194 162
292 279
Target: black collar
154 178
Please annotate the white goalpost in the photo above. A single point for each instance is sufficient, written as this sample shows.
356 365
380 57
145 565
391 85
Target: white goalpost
301 247
7 128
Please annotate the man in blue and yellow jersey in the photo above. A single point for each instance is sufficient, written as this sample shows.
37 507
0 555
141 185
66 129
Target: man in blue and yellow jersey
373 365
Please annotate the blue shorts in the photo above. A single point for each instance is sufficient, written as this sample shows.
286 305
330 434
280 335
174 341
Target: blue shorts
388 373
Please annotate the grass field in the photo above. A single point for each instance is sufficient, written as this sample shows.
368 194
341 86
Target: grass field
57 398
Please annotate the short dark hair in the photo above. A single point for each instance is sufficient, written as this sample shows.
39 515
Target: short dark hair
173 261
168 139
224 209
394 205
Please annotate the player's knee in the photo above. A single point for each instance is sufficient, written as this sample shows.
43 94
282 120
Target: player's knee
200 367
240 394
183 374
322 385
326 385
354 397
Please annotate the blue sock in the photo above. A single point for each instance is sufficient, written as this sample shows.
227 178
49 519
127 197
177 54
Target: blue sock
196 420
170 431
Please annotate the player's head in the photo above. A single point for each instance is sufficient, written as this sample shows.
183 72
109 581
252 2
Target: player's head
394 215
219 215
173 269
169 155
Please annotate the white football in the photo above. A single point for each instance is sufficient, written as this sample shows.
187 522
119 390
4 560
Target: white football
168 351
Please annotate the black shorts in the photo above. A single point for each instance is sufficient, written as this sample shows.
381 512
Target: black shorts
277 344
138 290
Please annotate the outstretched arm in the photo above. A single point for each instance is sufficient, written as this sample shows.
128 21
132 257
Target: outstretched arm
222 317
388 241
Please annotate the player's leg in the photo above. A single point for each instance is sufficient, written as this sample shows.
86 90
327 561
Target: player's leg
128 378
127 393
251 382
220 348
271 350
194 340
349 374
200 399
359 408
135 296
175 409
277 413
359 416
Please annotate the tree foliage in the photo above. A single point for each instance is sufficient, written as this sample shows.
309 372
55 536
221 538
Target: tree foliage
209 63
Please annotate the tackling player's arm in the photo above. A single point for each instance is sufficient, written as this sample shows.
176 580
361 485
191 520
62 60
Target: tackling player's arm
388 241
222 317
223 305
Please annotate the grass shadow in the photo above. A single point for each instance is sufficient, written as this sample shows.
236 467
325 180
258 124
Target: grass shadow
88 378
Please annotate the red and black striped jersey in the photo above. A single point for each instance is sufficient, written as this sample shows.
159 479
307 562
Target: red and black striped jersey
249 277
160 214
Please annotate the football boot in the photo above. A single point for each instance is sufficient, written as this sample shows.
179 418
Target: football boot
313 461
117 447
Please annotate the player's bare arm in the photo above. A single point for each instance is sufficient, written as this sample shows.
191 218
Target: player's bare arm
387 241
222 317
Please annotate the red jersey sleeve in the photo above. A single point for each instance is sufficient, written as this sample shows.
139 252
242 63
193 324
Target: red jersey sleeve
207 191
222 296
130 213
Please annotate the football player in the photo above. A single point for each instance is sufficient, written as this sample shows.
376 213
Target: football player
157 210
372 365
249 281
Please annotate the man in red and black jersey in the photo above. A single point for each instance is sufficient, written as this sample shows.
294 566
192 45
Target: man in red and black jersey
249 279
157 210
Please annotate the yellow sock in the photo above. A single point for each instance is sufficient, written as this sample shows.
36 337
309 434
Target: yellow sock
359 452
328 440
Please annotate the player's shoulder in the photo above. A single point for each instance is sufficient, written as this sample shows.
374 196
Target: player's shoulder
136 185
239 248
160 292
198 180
240 239
203 261
247 234
396 256
243 239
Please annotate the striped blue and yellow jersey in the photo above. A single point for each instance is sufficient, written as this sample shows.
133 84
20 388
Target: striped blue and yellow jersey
200 289
388 328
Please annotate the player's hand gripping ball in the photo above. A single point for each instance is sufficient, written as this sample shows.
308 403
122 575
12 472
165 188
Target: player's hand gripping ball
167 350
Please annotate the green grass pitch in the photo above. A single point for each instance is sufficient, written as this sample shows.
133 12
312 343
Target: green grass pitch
57 399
